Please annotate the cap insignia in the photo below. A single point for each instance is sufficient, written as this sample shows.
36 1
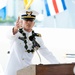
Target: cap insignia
29 13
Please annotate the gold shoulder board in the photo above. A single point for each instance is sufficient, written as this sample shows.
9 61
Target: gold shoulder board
39 34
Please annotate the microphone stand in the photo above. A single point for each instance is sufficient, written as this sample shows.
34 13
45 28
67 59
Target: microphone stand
36 46
39 56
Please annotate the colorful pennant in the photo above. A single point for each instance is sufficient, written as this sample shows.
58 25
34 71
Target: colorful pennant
27 4
3 13
54 6
3 3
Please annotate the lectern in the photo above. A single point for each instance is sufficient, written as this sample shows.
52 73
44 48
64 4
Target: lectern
52 69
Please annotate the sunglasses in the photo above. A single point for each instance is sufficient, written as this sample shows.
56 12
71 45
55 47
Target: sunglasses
29 20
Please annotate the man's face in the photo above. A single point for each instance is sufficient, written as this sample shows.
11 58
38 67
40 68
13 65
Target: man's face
28 24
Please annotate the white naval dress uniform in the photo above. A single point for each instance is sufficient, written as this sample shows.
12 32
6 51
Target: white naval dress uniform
19 58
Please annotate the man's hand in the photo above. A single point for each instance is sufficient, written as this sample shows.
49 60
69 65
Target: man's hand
18 23
17 26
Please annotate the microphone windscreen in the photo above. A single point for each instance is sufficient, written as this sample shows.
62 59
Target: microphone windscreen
33 35
31 38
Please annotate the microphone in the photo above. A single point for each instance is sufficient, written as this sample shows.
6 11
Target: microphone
35 43
32 38
33 35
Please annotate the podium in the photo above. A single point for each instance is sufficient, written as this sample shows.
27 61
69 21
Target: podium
51 69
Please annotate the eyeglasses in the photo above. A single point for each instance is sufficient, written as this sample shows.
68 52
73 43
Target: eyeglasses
31 20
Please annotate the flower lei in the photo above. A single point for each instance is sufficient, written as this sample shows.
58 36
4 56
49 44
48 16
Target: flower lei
24 38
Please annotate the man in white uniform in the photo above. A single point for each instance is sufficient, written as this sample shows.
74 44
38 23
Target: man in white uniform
26 42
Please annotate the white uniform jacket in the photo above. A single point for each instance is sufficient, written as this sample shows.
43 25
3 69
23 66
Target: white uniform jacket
19 58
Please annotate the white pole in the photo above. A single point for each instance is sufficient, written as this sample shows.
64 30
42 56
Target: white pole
55 21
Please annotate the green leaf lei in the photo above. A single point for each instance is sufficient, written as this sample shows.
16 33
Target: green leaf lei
24 38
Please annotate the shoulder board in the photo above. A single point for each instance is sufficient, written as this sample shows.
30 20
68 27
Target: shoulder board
39 35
